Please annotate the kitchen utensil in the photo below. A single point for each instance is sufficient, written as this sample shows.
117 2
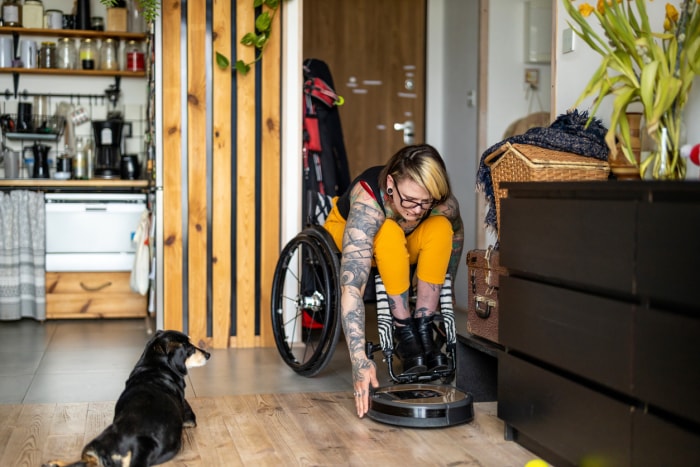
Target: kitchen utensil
41 159
28 51
130 168
6 52
25 120
11 160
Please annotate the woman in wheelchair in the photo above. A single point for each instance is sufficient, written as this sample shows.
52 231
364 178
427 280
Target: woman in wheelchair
394 217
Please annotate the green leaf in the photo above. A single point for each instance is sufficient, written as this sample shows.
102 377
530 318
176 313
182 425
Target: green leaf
262 40
242 67
263 22
249 39
222 61
257 3
272 4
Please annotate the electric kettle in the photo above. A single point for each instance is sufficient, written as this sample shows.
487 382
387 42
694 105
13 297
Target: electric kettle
41 159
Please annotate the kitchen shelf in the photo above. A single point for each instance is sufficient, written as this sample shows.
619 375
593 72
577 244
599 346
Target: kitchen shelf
58 72
77 33
50 184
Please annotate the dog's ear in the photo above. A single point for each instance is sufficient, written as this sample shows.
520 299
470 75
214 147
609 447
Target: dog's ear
177 355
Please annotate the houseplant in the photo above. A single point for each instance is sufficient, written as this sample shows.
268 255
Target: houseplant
650 61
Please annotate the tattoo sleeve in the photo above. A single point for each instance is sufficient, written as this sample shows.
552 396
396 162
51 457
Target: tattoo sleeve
364 219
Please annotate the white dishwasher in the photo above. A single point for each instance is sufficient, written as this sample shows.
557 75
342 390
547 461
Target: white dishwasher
92 231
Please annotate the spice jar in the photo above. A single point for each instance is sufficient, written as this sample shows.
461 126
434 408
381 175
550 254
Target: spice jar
12 13
33 14
53 19
134 59
108 55
66 54
88 54
97 23
47 55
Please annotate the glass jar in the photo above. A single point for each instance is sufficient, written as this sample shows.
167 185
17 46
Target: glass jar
66 54
53 19
88 54
134 58
97 23
33 14
108 55
135 21
47 55
12 13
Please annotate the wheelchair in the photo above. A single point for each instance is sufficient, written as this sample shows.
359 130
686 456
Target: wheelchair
305 308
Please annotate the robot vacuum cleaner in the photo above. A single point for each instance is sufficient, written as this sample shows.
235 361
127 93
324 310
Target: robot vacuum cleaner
421 405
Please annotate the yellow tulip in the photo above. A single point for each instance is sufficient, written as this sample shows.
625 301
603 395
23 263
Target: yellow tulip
587 9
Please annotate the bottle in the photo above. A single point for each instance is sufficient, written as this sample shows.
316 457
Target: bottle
82 14
47 55
12 13
88 54
80 168
134 59
89 149
135 21
66 54
108 55
33 14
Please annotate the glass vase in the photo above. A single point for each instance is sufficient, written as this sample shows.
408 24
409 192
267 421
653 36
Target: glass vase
661 149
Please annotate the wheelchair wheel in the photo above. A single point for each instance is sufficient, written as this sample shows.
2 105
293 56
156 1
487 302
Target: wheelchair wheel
305 301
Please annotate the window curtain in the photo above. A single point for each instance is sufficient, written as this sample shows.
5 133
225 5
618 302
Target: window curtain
22 255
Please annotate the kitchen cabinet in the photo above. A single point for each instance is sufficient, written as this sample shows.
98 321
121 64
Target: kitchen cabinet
79 295
88 294
600 320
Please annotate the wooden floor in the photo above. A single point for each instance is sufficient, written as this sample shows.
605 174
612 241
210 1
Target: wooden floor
277 429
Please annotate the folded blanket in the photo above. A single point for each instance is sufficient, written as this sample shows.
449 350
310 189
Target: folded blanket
569 133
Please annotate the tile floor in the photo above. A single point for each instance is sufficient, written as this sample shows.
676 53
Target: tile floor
88 360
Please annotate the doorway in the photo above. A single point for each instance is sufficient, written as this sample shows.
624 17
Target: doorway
375 50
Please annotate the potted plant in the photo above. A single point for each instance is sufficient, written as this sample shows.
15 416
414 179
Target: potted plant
650 61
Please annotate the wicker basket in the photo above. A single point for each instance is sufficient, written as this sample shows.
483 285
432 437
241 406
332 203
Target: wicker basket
527 163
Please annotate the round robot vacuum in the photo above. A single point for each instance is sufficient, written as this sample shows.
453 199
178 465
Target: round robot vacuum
421 405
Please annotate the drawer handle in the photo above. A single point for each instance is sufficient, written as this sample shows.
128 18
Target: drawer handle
95 289
483 306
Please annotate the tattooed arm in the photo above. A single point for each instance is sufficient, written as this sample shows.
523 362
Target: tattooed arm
364 219
450 209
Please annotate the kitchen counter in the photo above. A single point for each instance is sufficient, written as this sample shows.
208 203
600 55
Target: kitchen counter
73 185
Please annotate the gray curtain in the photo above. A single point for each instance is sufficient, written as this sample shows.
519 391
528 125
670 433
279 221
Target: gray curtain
22 255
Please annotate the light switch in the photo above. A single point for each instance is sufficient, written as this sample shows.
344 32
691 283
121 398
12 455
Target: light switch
567 41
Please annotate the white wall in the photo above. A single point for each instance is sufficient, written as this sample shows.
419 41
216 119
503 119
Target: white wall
508 97
574 70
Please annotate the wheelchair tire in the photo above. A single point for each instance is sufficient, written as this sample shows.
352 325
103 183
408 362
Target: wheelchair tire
306 301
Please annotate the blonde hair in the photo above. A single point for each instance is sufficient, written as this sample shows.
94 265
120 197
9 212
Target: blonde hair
422 164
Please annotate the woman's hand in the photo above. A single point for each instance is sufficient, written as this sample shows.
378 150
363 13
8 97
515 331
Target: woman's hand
364 373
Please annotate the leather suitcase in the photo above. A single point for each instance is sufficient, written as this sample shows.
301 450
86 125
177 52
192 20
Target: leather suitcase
482 311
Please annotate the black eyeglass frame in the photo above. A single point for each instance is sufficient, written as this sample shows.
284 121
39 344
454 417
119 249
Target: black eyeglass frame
409 204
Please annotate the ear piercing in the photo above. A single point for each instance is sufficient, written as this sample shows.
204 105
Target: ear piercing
389 191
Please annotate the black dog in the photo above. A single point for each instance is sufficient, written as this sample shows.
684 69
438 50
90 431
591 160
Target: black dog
152 411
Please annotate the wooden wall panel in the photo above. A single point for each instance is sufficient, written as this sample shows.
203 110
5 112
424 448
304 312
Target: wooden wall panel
245 183
221 180
271 180
172 170
230 261
197 171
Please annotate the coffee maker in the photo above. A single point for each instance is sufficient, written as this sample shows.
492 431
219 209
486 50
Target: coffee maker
108 138
108 142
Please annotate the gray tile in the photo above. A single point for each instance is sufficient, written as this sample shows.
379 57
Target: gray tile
95 334
18 362
99 359
76 387
26 335
13 390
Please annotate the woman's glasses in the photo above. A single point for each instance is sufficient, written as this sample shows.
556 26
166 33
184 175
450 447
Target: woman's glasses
410 204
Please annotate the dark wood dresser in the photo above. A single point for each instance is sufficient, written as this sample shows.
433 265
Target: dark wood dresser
600 321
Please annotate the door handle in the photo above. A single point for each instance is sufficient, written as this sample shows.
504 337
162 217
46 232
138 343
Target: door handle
408 131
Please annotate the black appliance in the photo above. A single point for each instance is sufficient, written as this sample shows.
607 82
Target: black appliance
108 140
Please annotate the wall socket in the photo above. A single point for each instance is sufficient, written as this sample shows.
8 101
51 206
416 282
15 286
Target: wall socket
567 41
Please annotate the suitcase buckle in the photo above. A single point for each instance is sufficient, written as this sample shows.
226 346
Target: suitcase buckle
483 306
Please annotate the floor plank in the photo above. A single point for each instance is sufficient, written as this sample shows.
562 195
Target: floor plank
267 429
